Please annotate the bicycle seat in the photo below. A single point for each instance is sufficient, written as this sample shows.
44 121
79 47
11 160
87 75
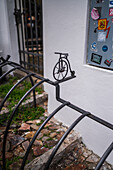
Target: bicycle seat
66 54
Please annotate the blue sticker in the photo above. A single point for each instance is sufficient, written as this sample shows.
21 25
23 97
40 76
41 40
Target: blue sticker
93 47
111 2
105 48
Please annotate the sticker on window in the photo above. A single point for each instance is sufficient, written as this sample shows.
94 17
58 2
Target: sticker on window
102 24
111 12
96 58
110 3
108 62
93 47
95 14
101 36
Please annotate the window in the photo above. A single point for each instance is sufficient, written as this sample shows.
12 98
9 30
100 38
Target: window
100 36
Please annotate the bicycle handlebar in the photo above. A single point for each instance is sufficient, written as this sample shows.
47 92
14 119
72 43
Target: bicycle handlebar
66 54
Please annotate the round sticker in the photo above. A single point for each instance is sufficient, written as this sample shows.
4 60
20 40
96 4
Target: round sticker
105 48
95 14
111 2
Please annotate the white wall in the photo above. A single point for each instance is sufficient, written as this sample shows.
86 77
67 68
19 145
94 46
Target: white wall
8 36
65 29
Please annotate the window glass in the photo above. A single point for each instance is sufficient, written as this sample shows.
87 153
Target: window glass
100 36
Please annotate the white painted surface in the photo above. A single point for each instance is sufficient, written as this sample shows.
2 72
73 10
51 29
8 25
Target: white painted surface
8 37
65 28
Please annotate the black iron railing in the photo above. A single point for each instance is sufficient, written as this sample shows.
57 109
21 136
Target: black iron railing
63 102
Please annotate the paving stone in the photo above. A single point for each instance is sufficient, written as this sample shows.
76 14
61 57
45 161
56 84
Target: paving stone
38 142
42 118
25 145
30 134
52 135
53 127
6 104
45 131
33 121
46 114
92 158
86 153
9 155
48 124
24 127
2 129
7 146
45 138
60 135
16 165
39 136
37 151
50 143
13 126
76 167
15 141
34 127
19 151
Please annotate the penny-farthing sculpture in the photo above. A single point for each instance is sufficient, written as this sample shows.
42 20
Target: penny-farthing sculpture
61 68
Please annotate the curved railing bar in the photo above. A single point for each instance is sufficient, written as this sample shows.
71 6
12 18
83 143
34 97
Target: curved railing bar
34 96
7 95
62 139
104 157
5 74
12 115
4 64
13 64
0 167
39 130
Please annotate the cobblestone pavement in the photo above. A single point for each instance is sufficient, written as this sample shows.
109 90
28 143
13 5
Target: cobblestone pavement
80 158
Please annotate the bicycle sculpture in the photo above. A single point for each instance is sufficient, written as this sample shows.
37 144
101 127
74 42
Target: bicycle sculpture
61 68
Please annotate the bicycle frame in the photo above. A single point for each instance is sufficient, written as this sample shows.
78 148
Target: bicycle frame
66 59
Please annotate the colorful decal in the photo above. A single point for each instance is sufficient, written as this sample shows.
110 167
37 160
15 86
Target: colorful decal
96 58
102 24
110 3
95 14
105 48
108 62
108 30
101 36
93 47
111 12
112 20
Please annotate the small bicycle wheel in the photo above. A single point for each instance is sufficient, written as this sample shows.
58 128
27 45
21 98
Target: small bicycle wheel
60 70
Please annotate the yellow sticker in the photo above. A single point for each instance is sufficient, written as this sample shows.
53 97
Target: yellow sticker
102 24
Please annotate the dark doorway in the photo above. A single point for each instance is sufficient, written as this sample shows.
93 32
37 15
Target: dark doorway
28 15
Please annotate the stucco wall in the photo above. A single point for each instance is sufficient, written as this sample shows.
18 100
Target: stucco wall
65 29
8 36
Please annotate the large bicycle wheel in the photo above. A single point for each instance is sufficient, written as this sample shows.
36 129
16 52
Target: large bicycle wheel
60 70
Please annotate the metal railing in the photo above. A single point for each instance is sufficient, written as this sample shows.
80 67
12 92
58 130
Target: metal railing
63 102
28 17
